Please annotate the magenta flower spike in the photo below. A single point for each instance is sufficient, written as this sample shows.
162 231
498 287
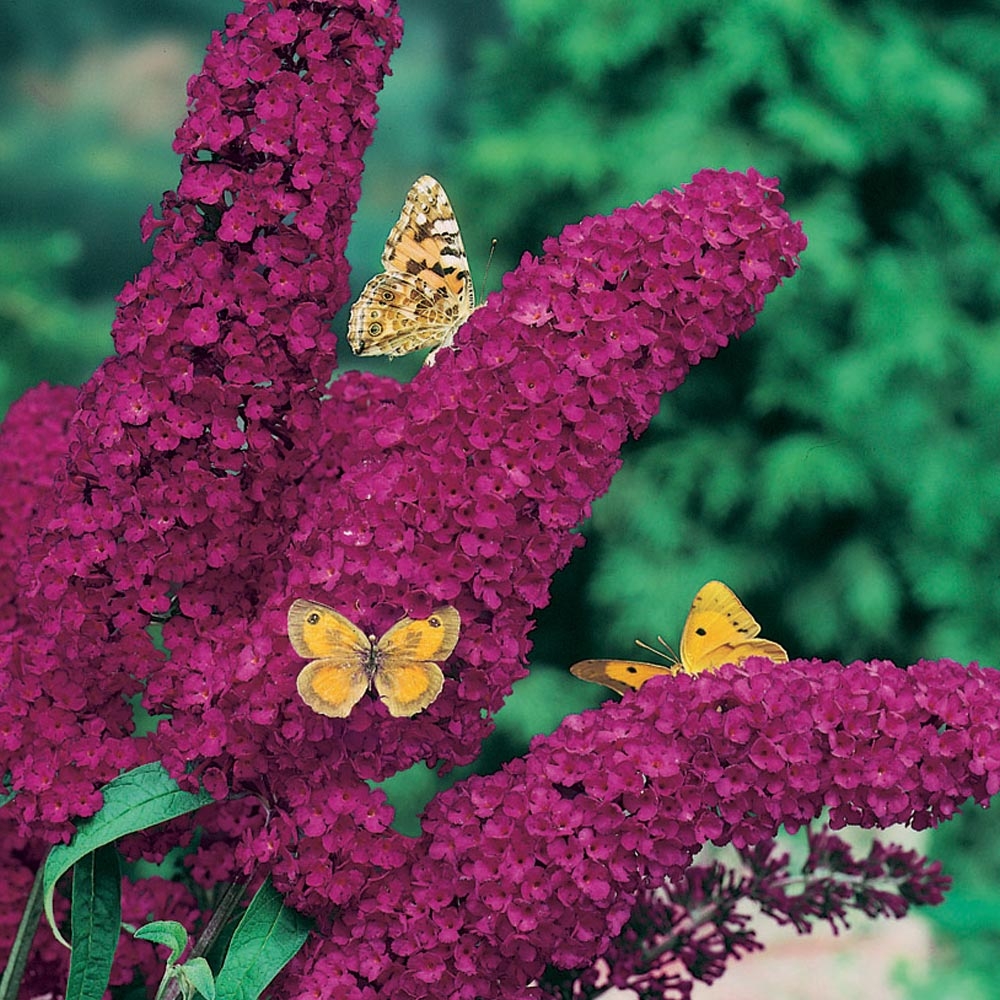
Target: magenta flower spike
165 517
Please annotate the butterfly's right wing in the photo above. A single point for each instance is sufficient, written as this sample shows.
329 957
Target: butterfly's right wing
719 630
407 675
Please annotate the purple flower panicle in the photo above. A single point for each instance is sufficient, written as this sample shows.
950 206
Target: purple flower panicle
693 928
466 487
177 481
543 863
208 476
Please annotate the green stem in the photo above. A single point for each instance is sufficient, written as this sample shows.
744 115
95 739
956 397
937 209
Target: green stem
228 902
17 961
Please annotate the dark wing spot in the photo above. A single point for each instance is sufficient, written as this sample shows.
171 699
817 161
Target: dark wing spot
700 631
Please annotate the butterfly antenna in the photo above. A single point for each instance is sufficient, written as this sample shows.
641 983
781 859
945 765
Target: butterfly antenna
670 656
493 247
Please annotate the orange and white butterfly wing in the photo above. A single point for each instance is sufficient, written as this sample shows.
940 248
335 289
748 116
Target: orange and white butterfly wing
619 675
425 293
719 630
340 671
407 675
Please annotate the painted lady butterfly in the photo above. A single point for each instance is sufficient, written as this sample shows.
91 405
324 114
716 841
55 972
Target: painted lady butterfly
425 293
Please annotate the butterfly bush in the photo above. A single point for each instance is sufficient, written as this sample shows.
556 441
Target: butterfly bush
208 474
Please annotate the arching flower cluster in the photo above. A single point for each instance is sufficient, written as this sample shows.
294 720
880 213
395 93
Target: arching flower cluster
173 492
544 862
691 930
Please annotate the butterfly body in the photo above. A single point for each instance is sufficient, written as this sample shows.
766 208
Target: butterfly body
425 292
402 665
718 630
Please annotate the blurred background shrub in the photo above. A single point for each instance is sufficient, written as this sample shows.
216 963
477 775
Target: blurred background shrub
838 467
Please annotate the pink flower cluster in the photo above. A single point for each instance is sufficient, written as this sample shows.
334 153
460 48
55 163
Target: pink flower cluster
694 928
543 863
176 486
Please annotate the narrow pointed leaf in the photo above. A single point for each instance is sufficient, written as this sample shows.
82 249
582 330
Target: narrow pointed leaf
136 800
96 916
20 949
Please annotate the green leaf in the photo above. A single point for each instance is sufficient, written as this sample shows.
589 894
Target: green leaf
265 940
199 974
167 932
133 801
96 922
7 792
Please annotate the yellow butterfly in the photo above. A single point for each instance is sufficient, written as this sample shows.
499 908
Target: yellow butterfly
718 630
425 293
402 665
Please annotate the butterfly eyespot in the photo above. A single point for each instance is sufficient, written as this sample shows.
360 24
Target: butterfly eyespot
313 618
632 670
700 631
434 621
388 296
375 329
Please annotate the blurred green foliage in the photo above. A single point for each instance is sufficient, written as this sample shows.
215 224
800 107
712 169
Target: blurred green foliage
837 467
93 92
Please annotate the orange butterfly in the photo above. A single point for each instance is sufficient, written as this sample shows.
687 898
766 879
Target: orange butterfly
718 630
402 665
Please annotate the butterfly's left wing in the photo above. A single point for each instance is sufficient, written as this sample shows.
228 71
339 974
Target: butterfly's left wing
426 292
407 675
341 657
719 630
619 675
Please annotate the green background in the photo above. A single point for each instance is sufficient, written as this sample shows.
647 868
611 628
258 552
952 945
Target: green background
838 467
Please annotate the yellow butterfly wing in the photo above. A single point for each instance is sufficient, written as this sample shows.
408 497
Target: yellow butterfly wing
407 675
425 292
342 658
619 675
719 630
